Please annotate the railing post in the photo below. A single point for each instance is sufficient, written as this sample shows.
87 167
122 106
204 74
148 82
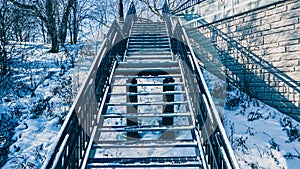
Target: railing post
121 14
166 15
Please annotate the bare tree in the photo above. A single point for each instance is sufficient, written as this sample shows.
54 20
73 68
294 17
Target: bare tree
48 12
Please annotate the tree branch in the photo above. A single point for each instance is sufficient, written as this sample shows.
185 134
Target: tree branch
30 7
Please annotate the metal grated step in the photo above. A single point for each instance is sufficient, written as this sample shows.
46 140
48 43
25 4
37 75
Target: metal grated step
149 57
152 93
146 103
144 115
149 84
148 144
138 64
120 71
156 76
149 41
145 162
144 128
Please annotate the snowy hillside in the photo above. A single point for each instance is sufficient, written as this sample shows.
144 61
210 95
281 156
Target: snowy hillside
35 99
260 135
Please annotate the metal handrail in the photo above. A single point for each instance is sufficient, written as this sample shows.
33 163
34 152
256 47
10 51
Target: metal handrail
186 5
215 145
70 150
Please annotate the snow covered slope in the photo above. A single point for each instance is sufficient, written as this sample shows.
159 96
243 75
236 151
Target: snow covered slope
35 99
260 135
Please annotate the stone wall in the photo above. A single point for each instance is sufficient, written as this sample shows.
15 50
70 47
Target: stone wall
260 50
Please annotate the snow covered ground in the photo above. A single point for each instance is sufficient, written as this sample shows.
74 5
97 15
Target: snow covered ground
260 135
35 99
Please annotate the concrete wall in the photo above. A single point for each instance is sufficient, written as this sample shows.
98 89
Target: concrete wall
260 51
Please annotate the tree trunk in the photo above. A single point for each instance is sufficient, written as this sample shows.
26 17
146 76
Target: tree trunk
3 40
54 40
43 32
64 22
51 26
75 23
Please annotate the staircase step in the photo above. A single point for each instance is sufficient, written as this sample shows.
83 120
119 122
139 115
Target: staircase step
149 32
152 29
145 103
148 56
147 93
144 128
145 162
133 71
145 53
157 76
145 115
148 144
162 64
146 46
148 37
149 50
150 84
138 42
149 24
122 140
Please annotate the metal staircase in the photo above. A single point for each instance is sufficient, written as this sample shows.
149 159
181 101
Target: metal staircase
148 99
144 104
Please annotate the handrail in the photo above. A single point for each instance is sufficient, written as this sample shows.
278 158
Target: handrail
186 5
217 146
166 15
70 149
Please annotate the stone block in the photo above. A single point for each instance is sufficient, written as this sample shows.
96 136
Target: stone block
294 5
292 48
273 57
280 9
292 55
238 21
278 30
290 14
289 42
280 49
263 28
282 36
287 63
271 12
284 22
270 19
297 68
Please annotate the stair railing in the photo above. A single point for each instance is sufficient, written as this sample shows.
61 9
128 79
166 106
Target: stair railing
216 149
186 5
73 140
